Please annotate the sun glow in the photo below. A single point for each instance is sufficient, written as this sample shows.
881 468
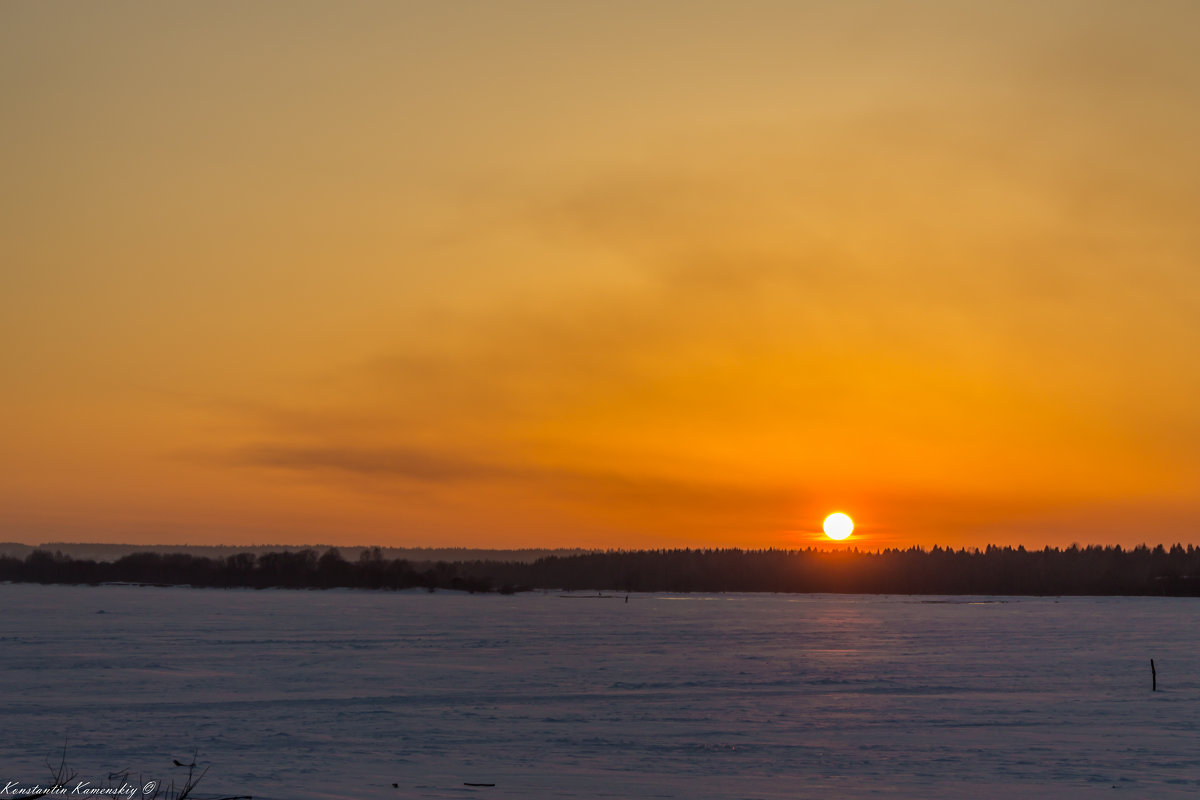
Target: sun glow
838 526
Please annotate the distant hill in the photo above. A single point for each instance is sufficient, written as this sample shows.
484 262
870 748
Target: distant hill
111 552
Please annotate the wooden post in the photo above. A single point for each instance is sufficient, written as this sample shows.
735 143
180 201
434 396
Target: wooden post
1153 677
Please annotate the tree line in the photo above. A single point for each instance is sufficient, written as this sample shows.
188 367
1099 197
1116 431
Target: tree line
302 569
995 570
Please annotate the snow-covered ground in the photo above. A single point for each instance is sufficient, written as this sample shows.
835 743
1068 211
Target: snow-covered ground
307 695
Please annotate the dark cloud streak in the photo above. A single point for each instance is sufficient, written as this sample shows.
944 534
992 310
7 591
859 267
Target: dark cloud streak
399 462
629 488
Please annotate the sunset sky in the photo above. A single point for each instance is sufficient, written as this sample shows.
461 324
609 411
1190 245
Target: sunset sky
619 274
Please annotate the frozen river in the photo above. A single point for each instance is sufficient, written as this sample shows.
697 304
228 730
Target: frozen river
296 695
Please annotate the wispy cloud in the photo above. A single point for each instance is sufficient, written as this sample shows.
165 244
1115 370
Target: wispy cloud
625 492
402 463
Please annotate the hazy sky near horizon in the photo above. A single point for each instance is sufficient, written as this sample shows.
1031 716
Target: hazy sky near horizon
600 274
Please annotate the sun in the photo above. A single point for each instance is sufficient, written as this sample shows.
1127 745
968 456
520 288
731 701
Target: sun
838 526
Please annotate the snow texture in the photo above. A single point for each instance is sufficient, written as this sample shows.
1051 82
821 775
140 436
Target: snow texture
340 694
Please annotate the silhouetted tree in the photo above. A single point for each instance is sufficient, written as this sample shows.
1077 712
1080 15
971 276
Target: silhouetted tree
994 570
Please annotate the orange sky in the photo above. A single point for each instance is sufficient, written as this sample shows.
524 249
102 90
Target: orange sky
604 275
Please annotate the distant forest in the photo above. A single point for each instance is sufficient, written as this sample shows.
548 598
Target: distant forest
996 570
111 552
